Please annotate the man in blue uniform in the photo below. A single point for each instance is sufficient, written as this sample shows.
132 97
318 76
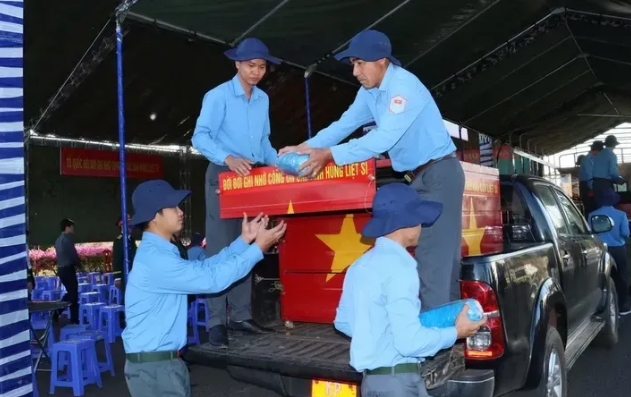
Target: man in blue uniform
379 308
616 240
196 249
155 298
585 176
411 129
605 170
232 132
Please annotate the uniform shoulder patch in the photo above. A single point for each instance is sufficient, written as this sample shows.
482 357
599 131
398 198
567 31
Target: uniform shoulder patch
397 104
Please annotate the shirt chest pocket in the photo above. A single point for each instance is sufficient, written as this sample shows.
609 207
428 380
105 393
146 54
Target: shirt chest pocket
236 120
246 120
379 106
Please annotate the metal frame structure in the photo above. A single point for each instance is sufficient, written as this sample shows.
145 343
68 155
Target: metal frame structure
120 14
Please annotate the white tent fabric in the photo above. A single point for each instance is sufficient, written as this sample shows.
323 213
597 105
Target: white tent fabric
15 355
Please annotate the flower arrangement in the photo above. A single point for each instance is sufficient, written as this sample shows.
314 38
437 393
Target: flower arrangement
95 257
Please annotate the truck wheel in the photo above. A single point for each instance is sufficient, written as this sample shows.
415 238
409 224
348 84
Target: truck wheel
608 336
553 381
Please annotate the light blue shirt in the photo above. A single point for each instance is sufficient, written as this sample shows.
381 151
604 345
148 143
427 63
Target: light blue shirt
585 172
230 124
409 125
617 236
155 296
380 307
196 253
606 165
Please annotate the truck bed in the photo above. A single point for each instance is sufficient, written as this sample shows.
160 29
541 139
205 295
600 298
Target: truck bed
309 351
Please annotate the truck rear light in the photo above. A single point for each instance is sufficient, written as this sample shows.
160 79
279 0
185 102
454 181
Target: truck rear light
488 342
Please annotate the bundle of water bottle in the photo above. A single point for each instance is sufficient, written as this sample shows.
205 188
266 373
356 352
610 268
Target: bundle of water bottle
289 163
445 316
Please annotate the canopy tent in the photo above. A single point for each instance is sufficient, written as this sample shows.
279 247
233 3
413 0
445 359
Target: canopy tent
507 68
553 73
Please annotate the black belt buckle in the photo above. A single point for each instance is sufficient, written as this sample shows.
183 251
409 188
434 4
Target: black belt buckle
409 177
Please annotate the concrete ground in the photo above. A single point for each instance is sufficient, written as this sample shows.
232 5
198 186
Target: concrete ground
597 373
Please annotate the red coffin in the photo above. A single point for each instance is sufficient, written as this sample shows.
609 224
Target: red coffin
324 219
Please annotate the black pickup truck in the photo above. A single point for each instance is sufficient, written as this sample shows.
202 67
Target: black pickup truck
547 296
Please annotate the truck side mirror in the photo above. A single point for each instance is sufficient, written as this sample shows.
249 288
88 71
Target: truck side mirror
601 223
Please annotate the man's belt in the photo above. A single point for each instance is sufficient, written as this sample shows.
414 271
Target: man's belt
409 368
151 357
410 175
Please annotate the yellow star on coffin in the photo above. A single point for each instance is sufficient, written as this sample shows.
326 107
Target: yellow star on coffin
346 245
290 208
473 235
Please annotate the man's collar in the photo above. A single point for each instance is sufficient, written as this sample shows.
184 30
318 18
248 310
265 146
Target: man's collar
390 244
152 238
239 91
385 82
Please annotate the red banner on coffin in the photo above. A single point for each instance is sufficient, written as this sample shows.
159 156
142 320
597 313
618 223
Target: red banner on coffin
104 163
336 188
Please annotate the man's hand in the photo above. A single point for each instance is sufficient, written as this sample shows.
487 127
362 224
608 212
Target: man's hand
251 228
239 165
117 283
318 158
265 238
290 149
466 327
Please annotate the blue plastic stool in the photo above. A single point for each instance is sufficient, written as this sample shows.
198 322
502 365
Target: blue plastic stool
194 339
36 294
85 287
200 304
88 297
39 321
80 373
102 289
96 336
72 329
109 321
50 295
51 282
41 282
108 278
89 314
115 295
94 277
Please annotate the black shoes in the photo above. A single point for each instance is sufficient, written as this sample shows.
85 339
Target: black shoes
218 336
250 326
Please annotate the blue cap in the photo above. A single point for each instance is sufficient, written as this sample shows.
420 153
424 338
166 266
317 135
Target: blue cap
607 197
250 49
397 206
152 196
368 45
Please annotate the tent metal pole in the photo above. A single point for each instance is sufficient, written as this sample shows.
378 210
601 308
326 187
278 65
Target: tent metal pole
121 140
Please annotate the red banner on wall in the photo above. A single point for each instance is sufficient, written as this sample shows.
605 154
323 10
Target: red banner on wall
104 163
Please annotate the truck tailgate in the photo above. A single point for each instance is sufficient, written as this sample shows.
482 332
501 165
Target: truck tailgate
310 351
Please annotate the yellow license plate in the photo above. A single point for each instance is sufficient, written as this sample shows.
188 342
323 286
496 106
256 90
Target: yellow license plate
325 388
